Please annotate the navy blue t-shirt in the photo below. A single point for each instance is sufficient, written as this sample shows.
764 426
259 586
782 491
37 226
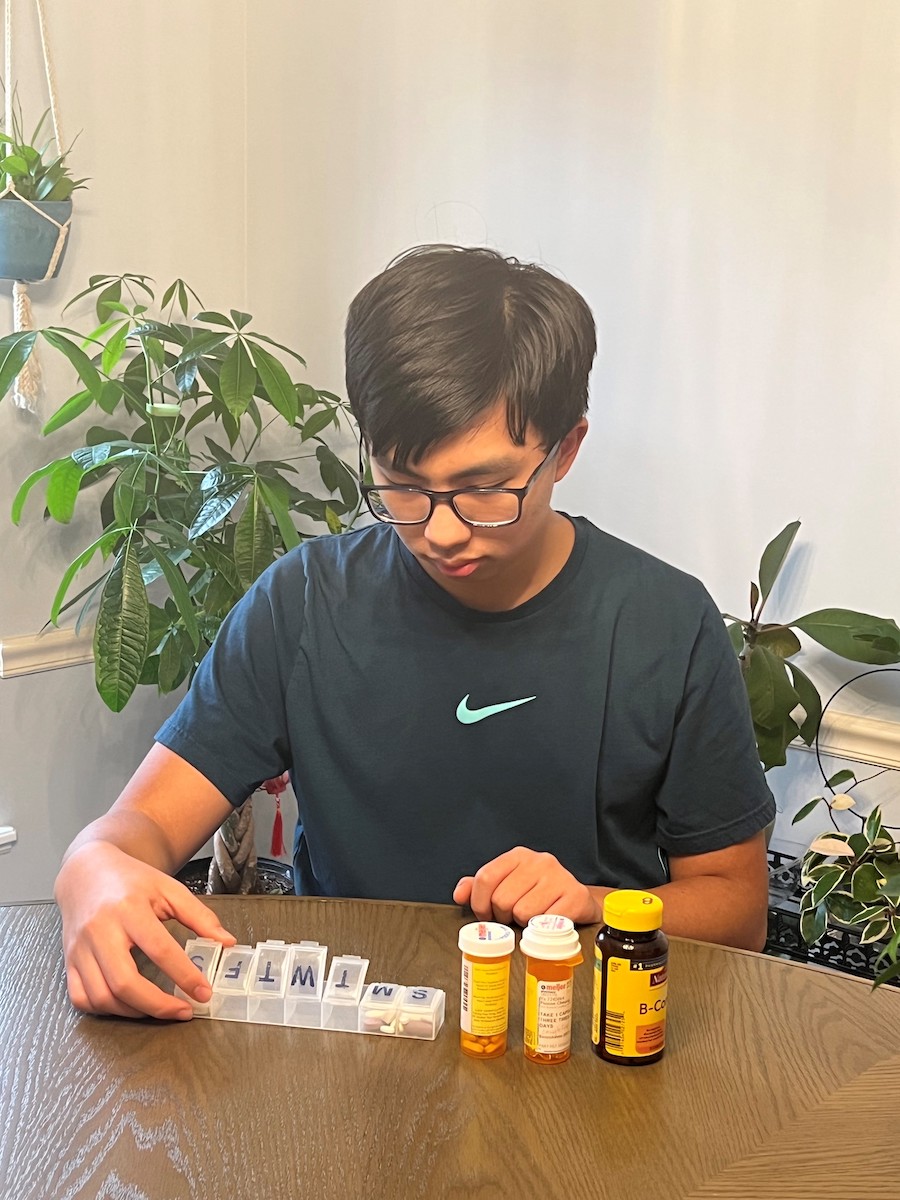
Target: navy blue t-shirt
604 720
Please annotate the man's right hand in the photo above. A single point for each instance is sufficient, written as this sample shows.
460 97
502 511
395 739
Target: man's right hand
110 903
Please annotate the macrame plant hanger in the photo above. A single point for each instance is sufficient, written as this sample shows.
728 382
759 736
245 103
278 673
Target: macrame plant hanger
27 387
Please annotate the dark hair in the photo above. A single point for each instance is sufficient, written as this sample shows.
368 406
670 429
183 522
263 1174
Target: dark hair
445 332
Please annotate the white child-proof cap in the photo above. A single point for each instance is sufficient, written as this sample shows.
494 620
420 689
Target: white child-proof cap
487 939
551 937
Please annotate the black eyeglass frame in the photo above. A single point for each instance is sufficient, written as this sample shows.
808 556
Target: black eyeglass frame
450 496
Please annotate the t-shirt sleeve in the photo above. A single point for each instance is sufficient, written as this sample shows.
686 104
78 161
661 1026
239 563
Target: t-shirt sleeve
232 724
714 793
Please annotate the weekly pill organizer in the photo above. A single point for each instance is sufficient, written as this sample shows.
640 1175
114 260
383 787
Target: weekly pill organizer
279 983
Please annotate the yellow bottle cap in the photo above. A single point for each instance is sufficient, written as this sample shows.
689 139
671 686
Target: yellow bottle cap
637 912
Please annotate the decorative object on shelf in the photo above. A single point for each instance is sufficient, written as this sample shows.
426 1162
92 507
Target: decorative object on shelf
784 702
35 205
852 879
191 512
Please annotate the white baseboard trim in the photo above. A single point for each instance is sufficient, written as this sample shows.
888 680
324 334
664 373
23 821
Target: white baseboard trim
859 739
45 652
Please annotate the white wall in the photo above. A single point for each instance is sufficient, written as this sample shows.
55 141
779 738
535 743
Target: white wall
719 178
156 92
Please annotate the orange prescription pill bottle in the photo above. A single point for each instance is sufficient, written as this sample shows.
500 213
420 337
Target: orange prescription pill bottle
484 998
552 951
630 980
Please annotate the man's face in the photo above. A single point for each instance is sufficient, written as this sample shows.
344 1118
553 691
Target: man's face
476 564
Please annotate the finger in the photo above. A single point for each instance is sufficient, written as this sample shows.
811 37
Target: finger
95 995
488 878
463 890
162 949
538 901
179 902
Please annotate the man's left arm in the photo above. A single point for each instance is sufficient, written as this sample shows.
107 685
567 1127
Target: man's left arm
721 896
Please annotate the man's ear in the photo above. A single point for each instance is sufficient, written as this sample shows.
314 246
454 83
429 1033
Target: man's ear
569 447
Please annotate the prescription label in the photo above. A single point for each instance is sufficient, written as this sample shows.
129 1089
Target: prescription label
548 1014
636 994
484 1002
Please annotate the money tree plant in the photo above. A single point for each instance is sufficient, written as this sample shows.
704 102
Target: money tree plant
191 510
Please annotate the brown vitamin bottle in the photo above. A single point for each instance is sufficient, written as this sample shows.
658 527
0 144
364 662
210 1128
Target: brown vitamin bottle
630 980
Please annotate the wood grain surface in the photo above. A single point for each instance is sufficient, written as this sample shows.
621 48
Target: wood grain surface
778 1080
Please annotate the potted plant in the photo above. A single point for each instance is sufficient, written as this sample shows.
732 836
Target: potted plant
36 186
851 880
191 510
784 702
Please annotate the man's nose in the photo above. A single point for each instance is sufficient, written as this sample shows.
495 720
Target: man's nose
445 528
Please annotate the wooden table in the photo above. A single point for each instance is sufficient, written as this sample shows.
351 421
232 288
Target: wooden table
779 1081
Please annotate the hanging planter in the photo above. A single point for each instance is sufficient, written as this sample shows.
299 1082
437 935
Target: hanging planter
36 187
33 237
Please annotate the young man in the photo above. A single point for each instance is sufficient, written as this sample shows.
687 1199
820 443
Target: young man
480 699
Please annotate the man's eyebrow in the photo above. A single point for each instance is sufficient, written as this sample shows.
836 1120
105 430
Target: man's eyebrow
495 468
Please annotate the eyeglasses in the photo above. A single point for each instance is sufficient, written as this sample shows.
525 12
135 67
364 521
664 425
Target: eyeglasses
485 508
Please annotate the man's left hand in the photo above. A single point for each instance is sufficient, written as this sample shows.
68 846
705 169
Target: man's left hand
523 883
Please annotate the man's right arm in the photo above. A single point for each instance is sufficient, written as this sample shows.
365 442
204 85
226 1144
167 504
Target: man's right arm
115 889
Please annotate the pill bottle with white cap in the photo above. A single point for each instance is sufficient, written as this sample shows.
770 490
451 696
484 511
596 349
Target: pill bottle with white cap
552 950
484 997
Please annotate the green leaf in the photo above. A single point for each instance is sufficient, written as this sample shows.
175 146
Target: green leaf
15 351
122 630
254 542
204 411
109 295
110 394
872 827
886 976
853 635
841 777
22 494
316 423
754 599
772 696
773 558
332 520
259 337
779 639
185 375
736 636
810 701
214 510
86 370
130 499
114 349
240 318
807 809
277 505
864 884
214 318
104 543
813 925
890 871
875 931
170 672
889 953
180 593
858 843
843 908
276 384
62 489
237 379
826 884
72 408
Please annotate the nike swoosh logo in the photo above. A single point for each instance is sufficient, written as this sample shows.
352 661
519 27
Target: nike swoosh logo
468 716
